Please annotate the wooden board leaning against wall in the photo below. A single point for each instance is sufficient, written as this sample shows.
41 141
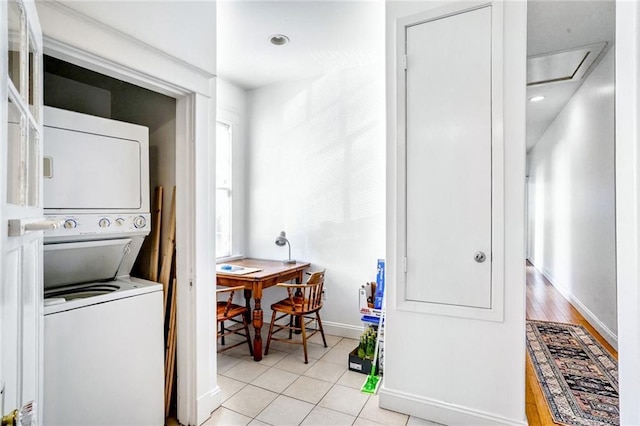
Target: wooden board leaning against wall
164 273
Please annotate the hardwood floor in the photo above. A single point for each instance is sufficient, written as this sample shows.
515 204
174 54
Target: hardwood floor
545 303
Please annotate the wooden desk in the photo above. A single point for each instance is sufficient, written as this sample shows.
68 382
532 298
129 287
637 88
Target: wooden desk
271 273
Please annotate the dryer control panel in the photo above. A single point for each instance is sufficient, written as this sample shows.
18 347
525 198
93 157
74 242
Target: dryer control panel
98 225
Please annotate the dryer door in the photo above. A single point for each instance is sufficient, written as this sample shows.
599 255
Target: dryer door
85 171
83 262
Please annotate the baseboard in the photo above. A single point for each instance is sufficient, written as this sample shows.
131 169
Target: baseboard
342 330
207 404
591 318
439 411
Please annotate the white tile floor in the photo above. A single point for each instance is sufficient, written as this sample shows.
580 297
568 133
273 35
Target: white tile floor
283 390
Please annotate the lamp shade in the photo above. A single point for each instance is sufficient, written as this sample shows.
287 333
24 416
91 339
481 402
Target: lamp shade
281 241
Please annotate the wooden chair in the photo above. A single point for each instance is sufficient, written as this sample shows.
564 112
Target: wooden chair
228 311
302 306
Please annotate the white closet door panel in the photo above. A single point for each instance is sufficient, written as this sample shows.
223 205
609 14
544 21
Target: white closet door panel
449 159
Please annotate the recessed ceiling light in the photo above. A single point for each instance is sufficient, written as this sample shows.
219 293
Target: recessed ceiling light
279 39
536 99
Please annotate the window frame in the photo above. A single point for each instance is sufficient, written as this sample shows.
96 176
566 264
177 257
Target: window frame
236 188
227 188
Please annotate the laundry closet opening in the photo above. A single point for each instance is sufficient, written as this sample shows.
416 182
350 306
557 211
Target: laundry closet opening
80 90
70 87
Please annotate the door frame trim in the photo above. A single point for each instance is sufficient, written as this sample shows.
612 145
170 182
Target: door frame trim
194 403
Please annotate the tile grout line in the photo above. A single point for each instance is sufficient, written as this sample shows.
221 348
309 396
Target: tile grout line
299 376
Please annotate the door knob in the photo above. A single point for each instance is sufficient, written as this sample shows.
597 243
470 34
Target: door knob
10 419
24 417
480 257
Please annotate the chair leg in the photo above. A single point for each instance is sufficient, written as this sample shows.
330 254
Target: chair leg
321 330
222 332
246 331
304 339
290 326
273 320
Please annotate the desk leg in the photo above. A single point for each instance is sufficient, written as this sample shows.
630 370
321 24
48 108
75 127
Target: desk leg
257 322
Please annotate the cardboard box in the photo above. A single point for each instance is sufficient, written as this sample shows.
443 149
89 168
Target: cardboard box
358 364
364 308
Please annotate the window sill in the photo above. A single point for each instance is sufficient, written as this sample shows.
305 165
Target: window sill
229 258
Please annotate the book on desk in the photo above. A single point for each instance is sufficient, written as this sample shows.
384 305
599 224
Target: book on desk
235 269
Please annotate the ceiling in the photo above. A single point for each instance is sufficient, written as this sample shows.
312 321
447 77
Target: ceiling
326 35
556 26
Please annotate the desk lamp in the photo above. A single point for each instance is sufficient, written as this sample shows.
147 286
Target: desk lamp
280 242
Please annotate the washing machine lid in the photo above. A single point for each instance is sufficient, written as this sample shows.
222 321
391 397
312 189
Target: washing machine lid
83 262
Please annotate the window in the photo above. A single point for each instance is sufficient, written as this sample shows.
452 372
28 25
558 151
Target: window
23 115
223 190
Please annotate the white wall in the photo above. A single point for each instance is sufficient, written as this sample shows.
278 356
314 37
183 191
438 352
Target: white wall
71 34
315 162
456 370
232 109
168 26
65 93
628 206
572 201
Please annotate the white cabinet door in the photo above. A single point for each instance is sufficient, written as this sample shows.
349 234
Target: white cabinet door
449 160
20 202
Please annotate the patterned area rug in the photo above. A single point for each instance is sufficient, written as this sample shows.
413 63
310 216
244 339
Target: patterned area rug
578 376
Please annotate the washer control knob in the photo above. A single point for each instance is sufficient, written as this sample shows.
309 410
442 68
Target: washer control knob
119 221
139 222
70 224
104 222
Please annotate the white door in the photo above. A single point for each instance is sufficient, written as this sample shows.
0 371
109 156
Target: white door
20 204
449 159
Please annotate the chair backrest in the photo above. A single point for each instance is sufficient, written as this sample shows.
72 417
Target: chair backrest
316 280
307 297
229 301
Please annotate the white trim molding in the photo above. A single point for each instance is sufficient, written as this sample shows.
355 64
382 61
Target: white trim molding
213 398
440 411
343 330
591 318
81 58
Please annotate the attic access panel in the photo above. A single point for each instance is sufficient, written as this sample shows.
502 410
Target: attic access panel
567 65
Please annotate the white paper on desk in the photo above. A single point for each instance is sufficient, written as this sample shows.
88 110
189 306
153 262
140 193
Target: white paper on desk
235 270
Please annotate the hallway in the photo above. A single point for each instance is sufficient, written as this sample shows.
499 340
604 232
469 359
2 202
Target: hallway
545 303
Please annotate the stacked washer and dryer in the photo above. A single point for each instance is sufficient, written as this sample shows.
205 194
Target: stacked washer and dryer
103 330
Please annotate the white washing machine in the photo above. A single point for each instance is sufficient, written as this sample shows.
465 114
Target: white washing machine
103 362
103 334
